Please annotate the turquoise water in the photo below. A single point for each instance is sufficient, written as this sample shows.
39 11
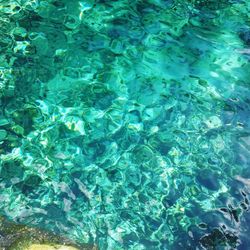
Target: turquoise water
126 123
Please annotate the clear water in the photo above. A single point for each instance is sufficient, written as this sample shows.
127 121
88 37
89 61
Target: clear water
126 123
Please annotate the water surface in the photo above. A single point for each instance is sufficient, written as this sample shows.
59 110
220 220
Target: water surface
126 123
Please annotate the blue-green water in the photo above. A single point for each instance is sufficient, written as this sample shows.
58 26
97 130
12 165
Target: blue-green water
126 123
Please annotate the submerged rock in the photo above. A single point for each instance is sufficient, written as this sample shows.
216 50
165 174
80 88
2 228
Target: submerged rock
208 179
48 247
20 237
3 134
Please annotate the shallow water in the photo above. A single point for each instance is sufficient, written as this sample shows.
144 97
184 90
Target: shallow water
126 123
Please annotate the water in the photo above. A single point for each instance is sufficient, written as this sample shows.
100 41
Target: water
126 123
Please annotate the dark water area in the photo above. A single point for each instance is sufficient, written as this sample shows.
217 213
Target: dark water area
125 124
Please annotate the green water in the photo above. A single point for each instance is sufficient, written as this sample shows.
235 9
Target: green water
126 123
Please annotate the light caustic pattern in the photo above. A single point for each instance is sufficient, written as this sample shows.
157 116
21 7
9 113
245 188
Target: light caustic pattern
126 123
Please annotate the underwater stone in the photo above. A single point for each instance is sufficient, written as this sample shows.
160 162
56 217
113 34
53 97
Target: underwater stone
18 129
208 179
40 42
245 36
19 31
4 122
71 22
116 46
213 122
20 237
3 134
49 247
